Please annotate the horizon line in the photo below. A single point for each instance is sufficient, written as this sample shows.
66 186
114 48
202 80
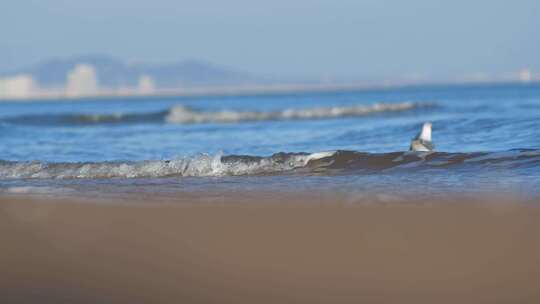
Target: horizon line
254 90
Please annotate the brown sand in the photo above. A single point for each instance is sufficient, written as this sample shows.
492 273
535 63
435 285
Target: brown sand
290 252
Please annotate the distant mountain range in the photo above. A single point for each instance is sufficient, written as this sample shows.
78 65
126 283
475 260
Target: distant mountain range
114 73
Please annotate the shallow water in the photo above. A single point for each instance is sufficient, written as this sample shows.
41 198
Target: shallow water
487 139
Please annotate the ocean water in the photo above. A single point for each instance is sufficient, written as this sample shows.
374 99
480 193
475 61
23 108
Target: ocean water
487 139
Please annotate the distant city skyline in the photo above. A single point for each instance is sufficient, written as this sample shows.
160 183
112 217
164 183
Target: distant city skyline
82 80
79 77
363 39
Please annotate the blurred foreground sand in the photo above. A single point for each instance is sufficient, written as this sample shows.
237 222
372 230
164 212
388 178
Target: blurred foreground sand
286 252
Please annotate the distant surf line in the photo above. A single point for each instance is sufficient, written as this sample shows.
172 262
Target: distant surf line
181 114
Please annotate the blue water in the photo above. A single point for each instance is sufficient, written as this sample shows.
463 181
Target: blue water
129 139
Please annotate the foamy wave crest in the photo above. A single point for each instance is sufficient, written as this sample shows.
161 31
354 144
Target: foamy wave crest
322 163
202 165
181 114
185 115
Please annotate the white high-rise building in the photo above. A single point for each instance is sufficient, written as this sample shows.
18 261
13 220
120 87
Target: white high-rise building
525 75
146 85
82 81
17 87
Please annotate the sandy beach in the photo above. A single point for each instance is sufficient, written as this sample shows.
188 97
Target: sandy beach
73 251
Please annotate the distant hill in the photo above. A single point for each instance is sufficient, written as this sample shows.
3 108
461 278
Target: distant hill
115 73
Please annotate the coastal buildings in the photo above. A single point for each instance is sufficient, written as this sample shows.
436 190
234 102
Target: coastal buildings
82 81
525 75
146 85
17 87
104 76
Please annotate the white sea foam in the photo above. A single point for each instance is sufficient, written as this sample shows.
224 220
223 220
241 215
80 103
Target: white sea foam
201 165
279 163
36 190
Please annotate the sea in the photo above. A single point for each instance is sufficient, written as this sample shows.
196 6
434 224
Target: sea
349 144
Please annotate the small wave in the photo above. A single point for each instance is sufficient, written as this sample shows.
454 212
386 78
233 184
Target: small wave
85 119
281 163
202 165
185 115
181 114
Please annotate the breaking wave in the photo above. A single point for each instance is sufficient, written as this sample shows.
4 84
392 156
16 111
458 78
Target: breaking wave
323 163
184 115
181 114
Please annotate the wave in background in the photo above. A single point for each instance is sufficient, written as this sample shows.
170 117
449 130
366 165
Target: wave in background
181 114
324 163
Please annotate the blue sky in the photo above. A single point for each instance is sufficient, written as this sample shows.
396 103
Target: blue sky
302 38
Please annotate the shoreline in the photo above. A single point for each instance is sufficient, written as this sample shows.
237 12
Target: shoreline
290 250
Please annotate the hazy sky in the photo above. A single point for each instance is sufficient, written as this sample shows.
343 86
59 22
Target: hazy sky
319 38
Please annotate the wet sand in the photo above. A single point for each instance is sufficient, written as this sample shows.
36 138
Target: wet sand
281 252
